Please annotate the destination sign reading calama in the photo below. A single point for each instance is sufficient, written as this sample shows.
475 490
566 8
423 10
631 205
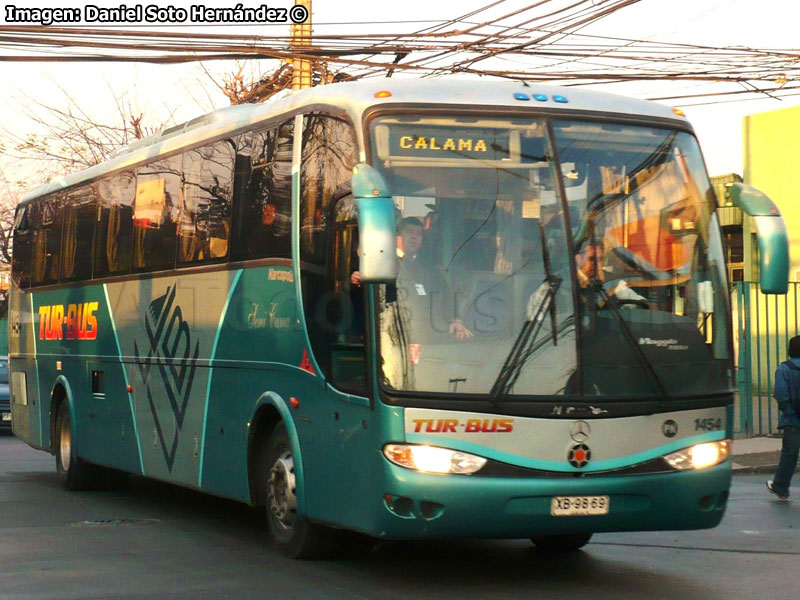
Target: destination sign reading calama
448 142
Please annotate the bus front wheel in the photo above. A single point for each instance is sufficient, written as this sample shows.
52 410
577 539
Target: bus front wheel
562 543
73 474
294 536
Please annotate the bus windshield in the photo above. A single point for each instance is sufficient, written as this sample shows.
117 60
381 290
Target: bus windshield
489 297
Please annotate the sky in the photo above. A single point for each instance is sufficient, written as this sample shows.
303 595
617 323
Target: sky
187 90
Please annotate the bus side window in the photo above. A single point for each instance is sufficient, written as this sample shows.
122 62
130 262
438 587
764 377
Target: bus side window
80 214
329 152
23 243
155 214
264 203
114 230
47 240
205 214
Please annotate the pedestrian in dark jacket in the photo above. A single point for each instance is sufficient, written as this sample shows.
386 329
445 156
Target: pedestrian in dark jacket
787 393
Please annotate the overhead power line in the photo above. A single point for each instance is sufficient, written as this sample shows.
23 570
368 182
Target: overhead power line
545 40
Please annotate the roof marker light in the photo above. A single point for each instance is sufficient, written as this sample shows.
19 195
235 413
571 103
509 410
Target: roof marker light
521 96
540 97
383 94
560 99
679 112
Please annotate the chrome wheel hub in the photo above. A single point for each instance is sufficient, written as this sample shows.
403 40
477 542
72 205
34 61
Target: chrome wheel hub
65 444
281 497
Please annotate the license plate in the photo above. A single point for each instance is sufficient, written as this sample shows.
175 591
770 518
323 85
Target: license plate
579 506
6 416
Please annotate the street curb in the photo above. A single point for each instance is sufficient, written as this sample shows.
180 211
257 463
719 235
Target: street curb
763 469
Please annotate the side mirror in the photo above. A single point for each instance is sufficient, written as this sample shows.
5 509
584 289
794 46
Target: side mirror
773 245
377 235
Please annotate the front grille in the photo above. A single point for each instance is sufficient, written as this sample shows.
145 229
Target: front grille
494 468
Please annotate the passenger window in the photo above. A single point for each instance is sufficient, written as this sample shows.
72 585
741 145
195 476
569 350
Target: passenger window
47 241
328 157
23 244
80 214
155 214
112 250
207 192
263 220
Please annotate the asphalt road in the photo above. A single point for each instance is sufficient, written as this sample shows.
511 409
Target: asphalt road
150 540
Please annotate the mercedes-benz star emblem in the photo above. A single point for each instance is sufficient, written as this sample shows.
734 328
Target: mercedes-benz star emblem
580 431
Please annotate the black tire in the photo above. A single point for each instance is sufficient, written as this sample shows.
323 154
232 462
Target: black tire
562 543
294 536
73 473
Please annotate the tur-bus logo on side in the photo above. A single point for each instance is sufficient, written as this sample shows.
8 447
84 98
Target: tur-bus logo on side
77 322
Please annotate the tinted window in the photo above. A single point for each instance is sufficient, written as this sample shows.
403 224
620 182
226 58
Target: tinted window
265 207
328 158
328 155
80 214
112 250
207 192
155 214
23 241
47 216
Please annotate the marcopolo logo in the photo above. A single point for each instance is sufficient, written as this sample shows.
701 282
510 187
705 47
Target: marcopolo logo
646 341
669 344
281 275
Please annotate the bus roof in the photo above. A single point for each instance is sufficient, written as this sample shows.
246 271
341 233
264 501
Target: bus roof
354 98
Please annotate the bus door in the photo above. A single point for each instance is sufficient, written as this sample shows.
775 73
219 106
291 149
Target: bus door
335 416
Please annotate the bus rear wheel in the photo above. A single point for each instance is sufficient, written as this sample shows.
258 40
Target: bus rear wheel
294 536
73 473
562 543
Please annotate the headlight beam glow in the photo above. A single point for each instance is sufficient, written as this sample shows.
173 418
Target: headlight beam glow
432 459
699 456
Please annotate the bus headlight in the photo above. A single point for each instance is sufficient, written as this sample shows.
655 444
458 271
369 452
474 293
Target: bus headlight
700 456
431 459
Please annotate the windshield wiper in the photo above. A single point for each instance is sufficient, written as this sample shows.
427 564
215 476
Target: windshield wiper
628 335
523 346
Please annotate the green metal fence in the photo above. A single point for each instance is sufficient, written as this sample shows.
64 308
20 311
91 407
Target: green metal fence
765 324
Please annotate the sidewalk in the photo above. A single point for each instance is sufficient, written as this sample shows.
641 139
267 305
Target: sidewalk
756 455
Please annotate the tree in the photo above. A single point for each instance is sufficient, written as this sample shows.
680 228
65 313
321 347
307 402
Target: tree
67 139
241 87
9 196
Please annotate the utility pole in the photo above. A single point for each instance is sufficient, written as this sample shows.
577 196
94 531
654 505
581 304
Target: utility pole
301 39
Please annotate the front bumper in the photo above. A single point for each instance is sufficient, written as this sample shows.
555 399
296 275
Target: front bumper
418 505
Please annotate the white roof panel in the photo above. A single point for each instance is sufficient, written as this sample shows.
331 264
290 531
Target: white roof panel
355 98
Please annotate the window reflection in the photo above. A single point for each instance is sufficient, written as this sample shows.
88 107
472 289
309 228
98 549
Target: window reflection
207 191
641 206
481 194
